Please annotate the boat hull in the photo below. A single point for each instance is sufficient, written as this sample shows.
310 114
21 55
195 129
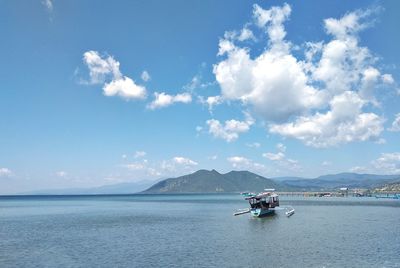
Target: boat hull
259 213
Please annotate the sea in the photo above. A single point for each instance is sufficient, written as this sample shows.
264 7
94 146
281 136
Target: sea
196 230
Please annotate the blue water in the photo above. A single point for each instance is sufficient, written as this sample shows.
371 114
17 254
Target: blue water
196 231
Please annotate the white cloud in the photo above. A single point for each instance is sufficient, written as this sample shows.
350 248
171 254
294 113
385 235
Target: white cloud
281 160
102 69
124 87
388 163
177 165
211 102
5 172
396 124
303 98
274 83
274 157
163 100
230 130
246 34
184 161
273 20
145 76
140 154
48 4
342 124
240 162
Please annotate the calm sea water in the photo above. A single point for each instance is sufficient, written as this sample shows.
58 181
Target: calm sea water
196 231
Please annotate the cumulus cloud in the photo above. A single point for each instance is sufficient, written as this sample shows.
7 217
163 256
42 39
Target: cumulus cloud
106 68
238 161
281 160
101 67
396 124
343 123
230 130
211 102
274 83
162 100
246 34
5 172
125 88
301 97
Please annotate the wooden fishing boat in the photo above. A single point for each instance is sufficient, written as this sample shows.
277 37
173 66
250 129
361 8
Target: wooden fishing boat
263 204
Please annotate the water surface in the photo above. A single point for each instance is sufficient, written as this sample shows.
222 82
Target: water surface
196 231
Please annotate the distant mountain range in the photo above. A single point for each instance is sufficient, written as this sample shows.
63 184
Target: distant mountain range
334 181
240 181
120 188
206 181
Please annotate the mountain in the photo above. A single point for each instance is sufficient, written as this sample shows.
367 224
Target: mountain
120 188
205 181
334 181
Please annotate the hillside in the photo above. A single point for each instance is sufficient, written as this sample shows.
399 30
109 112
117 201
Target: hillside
389 187
204 181
334 181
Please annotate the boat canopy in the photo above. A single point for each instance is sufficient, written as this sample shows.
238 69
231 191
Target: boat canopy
262 195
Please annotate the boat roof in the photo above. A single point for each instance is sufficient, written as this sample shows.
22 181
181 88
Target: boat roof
261 195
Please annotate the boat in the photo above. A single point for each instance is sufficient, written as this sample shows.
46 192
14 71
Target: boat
289 212
263 204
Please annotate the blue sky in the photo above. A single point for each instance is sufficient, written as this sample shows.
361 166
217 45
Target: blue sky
101 93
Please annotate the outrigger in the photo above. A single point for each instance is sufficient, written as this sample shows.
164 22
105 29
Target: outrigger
263 204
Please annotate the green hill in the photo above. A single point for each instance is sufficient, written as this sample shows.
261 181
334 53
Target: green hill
205 181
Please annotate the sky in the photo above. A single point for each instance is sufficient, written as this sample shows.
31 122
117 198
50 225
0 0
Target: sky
95 93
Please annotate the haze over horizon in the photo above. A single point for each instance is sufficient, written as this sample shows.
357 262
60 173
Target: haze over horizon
127 91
